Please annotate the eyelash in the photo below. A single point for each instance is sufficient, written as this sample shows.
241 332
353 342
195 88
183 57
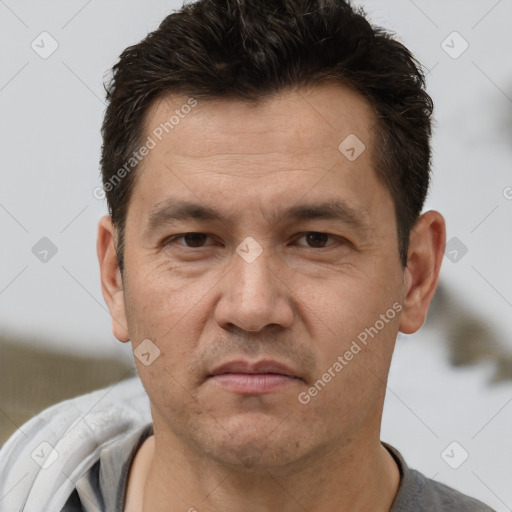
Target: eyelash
173 238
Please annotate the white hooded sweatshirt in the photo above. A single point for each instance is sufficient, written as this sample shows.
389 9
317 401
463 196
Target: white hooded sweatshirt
41 461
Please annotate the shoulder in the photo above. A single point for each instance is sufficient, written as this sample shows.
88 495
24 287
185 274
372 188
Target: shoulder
442 497
422 494
40 462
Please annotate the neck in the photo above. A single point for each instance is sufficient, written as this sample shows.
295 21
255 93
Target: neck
362 476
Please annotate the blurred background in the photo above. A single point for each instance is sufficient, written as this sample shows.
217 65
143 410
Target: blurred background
449 403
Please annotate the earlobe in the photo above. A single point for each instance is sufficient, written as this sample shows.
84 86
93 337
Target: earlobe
111 282
426 250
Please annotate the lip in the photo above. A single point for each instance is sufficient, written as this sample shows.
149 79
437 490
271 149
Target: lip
266 366
257 378
252 383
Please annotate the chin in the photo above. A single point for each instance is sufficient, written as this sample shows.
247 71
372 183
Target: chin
254 445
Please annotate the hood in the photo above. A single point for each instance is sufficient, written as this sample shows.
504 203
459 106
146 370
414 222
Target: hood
41 461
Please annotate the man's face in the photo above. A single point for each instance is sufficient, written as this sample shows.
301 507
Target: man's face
258 285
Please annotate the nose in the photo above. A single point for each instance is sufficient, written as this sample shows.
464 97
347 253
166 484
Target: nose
254 296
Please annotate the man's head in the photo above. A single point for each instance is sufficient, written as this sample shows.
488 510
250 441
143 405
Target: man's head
249 50
300 143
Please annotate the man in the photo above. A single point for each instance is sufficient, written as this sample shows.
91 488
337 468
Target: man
265 165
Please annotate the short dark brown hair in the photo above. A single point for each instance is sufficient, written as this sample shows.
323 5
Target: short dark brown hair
250 49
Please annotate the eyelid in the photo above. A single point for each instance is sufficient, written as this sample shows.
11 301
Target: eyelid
336 239
173 238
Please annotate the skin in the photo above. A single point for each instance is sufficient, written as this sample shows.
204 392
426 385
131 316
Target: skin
301 301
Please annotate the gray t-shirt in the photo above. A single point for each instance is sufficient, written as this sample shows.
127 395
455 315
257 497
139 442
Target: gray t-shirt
103 487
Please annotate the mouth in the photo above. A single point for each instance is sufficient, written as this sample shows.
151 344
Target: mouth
257 378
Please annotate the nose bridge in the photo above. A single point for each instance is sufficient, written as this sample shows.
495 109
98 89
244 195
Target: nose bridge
253 296
253 283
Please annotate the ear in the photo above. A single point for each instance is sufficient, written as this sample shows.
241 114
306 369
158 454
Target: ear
111 282
426 250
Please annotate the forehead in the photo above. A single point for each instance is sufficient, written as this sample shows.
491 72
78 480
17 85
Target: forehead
225 151
297 120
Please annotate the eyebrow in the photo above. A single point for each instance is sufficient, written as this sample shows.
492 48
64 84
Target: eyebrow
171 211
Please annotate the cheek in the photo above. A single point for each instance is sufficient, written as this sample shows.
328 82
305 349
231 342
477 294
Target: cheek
352 375
157 302
168 317
359 324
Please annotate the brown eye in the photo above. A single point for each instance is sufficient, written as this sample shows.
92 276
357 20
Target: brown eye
316 240
193 240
